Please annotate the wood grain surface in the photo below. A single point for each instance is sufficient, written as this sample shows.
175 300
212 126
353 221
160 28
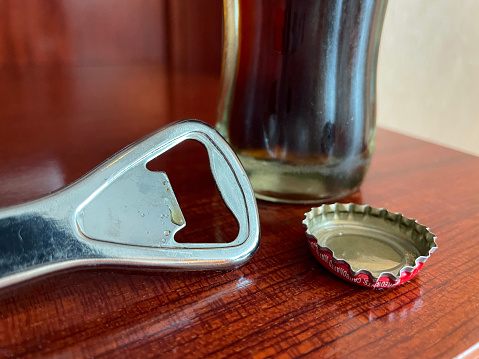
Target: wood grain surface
58 123
81 80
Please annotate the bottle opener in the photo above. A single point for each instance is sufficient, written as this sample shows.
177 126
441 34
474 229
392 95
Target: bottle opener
121 213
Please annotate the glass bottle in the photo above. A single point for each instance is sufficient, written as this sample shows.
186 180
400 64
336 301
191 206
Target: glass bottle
298 95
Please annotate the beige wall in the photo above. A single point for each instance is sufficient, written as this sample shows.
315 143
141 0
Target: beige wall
428 71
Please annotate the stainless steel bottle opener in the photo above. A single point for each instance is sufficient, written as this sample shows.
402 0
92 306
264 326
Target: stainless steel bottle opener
121 213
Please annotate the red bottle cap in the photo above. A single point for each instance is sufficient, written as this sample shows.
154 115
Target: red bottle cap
368 246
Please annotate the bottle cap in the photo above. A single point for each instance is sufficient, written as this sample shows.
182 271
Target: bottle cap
368 246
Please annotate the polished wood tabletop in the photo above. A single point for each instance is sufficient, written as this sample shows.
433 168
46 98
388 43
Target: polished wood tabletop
59 123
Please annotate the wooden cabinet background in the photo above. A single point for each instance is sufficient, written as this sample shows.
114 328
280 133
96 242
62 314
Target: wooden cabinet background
182 34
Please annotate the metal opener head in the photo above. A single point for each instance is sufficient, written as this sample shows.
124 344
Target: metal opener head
121 213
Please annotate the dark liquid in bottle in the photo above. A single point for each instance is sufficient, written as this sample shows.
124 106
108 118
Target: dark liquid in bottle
303 108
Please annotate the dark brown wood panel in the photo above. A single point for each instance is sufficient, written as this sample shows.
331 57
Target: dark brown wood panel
185 34
194 35
59 123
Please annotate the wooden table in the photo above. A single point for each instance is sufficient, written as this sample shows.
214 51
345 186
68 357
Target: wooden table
58 123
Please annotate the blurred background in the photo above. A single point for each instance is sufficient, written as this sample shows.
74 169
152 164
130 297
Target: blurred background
184 34
69 59
428 72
